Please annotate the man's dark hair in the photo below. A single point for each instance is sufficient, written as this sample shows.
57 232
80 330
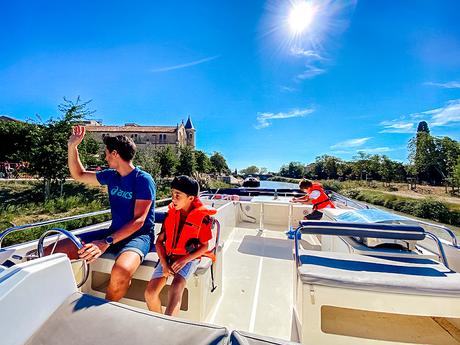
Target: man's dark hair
304 184
124 146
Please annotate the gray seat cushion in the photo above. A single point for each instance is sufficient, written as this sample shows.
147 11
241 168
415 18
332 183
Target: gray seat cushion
151 260
388 274
245 338
84 319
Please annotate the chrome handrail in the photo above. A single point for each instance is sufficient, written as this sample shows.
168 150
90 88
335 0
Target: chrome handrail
74 239
48 222
441 227
347 200
60 220
442 254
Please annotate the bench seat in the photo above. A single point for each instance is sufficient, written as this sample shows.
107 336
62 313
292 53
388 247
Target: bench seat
151 260
386 274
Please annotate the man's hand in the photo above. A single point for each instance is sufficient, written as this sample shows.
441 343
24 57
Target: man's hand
91 251
167 271
179 263
78 133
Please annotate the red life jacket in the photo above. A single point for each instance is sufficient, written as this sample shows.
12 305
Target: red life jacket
323 200
175 242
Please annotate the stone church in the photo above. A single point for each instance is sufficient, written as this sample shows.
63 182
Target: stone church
147 136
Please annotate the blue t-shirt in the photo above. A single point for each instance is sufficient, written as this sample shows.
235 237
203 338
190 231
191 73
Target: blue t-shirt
123 193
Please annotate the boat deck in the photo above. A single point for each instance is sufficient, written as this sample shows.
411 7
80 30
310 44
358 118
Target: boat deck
257 282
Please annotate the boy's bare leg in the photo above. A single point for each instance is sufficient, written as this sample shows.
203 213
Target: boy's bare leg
122 272
152 293
175 295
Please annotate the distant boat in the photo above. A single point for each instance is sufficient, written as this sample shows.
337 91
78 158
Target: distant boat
251 181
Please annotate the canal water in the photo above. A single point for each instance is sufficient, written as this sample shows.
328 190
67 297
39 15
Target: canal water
277 185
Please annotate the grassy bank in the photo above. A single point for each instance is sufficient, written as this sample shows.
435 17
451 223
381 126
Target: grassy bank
427 208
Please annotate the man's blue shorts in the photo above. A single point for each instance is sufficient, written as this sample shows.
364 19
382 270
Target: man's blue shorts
139 244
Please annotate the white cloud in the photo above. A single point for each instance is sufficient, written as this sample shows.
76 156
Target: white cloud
311 54
310 72
351 143
448 85
264 119
397 127
287 89
185 65
445 115
376 149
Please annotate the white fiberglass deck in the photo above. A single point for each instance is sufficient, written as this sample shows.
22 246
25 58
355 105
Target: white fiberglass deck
257 282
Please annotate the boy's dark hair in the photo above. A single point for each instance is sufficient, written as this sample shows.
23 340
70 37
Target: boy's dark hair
304 184
124 146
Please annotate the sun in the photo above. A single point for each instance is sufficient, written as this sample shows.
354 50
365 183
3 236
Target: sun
301 16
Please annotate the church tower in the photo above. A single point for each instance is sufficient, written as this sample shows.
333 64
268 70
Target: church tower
190 131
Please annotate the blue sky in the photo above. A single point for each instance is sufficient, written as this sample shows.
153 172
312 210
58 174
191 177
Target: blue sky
359 77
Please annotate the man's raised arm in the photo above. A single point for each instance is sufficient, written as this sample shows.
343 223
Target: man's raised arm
77 171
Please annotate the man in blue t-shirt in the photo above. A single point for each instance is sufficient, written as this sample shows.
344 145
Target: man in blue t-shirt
132 202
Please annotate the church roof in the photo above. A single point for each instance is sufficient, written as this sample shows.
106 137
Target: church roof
189 124
134 129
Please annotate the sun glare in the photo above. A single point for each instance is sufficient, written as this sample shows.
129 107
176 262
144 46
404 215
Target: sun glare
301 16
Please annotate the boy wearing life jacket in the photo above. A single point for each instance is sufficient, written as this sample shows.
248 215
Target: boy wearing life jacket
183 240
315 195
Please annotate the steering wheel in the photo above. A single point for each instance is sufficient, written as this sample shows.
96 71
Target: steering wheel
74 239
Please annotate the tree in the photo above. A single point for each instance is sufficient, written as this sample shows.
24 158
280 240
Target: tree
361 165
293 170
187 163
423 127
448 153
456 172
219 164
17 140
424 155
203 163
250 170
168 161
263 171
89 151
49 152
147 158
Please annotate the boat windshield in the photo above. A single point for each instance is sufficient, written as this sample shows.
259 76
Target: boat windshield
371 215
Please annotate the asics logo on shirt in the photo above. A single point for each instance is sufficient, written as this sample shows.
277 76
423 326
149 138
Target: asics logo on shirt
118 192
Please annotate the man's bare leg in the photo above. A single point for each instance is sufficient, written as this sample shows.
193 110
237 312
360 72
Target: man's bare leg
175 295
152 293
122 272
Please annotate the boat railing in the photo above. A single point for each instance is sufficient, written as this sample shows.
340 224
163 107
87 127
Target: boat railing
8 231
375 230
49 222
334 196
444 228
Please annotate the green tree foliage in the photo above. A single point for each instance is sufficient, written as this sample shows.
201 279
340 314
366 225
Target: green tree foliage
187 163
148 159
90 152
448 154
17 140
219 164
168 161
456 173
250 170
49 151
293 170
433 158
423 127
203 163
